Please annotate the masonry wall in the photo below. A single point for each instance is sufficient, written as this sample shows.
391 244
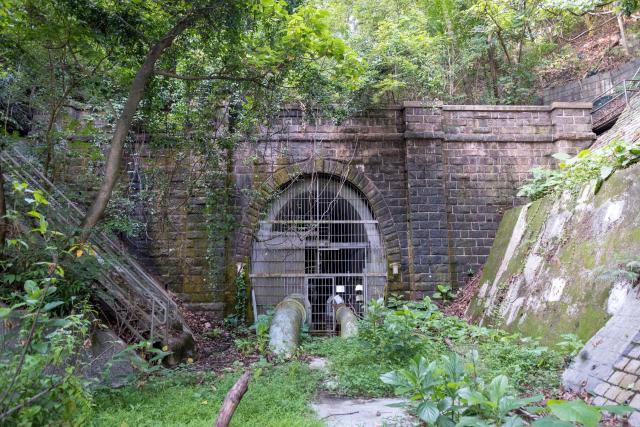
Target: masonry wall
589 88
438 178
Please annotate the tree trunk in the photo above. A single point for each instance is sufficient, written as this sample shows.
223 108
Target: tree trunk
623 36
493 68
232 399
3 211
136 92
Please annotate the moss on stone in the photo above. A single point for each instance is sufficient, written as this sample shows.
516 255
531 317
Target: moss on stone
500 243
578 254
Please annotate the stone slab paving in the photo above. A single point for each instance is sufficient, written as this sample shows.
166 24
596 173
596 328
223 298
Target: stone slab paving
609 364
344 412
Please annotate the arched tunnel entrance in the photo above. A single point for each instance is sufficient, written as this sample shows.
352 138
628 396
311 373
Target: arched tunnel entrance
320 239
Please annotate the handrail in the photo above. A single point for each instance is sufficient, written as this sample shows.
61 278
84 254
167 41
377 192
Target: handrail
150 307
633 78
614 105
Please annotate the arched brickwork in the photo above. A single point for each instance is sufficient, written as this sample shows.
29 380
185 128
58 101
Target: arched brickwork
329 167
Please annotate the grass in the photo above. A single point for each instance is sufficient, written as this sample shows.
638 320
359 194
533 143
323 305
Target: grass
353 370
355 365
278 397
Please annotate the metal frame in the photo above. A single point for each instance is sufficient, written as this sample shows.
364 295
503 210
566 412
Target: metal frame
318 227
138 302
619 95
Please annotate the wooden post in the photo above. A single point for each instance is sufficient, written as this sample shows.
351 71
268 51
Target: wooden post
232 399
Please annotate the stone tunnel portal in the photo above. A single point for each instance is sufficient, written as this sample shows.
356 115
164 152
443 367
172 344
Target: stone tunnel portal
319 238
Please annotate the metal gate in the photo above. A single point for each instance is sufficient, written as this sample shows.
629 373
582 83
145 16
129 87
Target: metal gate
320 239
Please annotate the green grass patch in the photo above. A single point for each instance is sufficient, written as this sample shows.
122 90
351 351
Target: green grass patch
279 396
352 371
390 337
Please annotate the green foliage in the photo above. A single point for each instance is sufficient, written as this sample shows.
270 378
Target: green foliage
444 292
587 166
354 370
627 269
120 216
542 182
392 336
563 413
242 297
38 385
444 392
260 341
394 330
277 396
31 239
570 344
467 51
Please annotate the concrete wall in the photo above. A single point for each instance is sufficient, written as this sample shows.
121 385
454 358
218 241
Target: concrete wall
438 177
586 90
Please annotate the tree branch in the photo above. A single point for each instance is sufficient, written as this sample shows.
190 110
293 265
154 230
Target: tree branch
166 73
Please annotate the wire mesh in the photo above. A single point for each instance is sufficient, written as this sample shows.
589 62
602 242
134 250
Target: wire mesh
319 239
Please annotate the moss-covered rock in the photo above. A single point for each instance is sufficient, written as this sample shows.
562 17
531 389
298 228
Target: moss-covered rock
547 273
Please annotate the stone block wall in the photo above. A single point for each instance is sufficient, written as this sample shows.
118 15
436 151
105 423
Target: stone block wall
589 88
465 164
438 177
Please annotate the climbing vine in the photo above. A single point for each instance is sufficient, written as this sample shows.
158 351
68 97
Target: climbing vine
218 211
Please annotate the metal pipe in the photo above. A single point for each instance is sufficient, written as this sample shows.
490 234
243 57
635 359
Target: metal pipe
284 331
348 321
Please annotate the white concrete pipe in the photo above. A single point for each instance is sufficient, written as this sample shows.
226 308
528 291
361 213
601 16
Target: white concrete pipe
284 331
347 320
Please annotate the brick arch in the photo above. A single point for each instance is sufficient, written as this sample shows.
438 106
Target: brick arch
287 173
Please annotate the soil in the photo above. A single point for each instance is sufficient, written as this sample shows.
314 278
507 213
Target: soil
215 348
459 305
593 51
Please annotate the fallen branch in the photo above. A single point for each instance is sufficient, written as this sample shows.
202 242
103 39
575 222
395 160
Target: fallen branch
232 399
335 415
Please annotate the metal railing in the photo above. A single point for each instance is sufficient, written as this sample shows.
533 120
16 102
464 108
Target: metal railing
609 105
138 302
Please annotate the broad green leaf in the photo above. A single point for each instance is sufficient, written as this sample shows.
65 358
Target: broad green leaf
617 409
444 421
575 411
498 388
551 422
509 403
562 156
51 305
428 412
606 172
30 286
472 422
471 396
513 421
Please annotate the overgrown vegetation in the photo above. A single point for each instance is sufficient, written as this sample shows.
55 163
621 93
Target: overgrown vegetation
587 166
391 336
278 396
43 324
467 51
447 392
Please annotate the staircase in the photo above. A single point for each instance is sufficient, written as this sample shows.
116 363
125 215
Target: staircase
138 303
608 106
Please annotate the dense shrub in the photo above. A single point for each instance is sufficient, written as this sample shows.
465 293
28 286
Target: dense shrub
39 347
392 335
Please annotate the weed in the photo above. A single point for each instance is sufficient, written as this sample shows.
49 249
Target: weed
277 396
